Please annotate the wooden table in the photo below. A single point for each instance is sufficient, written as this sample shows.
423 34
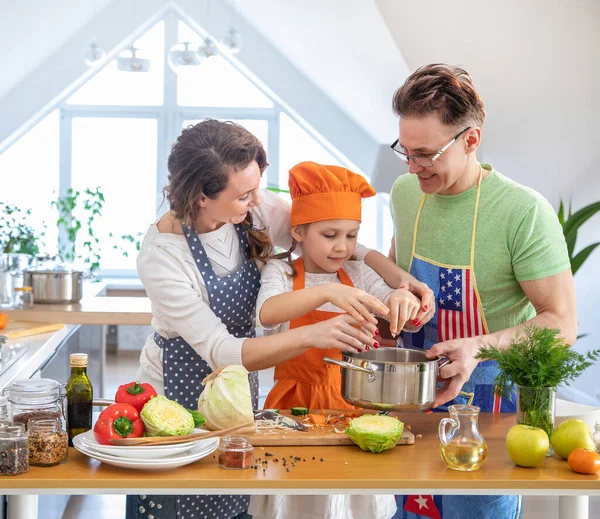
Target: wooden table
416 469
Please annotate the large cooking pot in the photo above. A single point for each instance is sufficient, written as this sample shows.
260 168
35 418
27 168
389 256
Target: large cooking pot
57 283
392 379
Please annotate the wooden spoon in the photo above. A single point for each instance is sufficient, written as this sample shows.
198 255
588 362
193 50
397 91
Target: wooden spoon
171 440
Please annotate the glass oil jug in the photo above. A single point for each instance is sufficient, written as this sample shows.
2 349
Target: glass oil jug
462 446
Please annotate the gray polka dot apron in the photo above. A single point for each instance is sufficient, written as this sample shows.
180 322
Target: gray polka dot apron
233 299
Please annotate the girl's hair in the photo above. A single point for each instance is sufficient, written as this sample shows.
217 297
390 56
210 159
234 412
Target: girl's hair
287 257
201 162
442 89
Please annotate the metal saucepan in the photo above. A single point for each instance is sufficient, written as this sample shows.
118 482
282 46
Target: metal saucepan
392 379
55 284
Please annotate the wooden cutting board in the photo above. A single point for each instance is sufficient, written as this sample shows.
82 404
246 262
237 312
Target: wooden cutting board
19 329
324 435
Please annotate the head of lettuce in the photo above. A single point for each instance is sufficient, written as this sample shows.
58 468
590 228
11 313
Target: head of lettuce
225 401
164 417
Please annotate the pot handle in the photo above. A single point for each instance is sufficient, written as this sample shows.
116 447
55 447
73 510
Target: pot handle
348 365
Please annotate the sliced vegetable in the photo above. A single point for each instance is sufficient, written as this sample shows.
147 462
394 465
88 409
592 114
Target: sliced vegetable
225 401
118 421
318 419
164 417
299 411
135 394
375 433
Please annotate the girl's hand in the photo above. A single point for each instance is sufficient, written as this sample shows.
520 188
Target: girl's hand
404 306
343 333
358 303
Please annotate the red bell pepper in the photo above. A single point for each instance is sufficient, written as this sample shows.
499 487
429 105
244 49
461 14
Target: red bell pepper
135 394
118 421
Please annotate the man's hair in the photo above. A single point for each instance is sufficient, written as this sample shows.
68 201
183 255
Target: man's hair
442 89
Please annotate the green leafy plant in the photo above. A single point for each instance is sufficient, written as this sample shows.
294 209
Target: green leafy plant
538 358
77 212
16 235
571 222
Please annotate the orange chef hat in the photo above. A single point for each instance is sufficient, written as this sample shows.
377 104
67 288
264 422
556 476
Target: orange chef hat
326 193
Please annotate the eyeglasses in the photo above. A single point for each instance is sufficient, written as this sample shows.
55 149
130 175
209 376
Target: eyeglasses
425 162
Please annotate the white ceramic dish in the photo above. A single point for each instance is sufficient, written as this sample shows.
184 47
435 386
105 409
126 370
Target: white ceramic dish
566 410
200 449
141 452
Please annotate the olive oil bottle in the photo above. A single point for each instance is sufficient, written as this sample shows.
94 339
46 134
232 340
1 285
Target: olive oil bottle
79 396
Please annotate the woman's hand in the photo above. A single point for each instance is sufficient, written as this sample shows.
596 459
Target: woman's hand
343 332
462 354
358 303
404 307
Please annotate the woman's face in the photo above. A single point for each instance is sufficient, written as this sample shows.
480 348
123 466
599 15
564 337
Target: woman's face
424 137
327 245
233 203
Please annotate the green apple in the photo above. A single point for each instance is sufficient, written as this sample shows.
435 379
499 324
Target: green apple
527 446
570 435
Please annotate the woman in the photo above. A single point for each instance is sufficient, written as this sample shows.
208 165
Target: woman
200 267
492 251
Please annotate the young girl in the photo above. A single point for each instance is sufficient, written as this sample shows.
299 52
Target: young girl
325 219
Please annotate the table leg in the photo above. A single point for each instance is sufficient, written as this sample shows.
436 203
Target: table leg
573 507
22 507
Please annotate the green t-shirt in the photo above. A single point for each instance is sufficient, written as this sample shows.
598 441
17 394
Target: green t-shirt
518 238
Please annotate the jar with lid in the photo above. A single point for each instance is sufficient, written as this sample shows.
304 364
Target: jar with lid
48 443
597 436
236 452
14 450
23 297
3 408
37 399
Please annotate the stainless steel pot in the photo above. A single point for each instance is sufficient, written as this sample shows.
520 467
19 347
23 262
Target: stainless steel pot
392 379
57 284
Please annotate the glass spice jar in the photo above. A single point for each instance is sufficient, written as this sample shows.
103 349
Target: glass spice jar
36 399
3 408
48 443
23 297
236 452
14 450
597 436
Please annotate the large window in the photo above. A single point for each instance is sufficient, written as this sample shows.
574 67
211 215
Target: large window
115 132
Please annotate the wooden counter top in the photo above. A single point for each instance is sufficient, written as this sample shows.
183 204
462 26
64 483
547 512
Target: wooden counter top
91 310
344 470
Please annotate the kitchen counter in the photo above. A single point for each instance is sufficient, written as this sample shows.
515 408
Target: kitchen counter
415 469
99 305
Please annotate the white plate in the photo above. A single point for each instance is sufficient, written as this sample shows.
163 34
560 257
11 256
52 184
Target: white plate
200 450
141 452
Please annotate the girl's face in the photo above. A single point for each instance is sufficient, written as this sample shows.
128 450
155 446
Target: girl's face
233 203
327 245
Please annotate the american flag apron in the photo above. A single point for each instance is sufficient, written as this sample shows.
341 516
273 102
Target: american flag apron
459 314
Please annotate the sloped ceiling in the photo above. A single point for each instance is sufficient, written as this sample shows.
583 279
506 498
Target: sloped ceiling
537 66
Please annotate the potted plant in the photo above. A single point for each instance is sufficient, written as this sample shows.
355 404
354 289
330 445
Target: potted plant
537 361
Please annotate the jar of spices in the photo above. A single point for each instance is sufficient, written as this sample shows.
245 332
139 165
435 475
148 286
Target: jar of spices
3 408
236 452
48 443
597 436
23 297
37 399
14 451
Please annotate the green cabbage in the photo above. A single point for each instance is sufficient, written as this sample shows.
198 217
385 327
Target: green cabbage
375 433
164 417
225 401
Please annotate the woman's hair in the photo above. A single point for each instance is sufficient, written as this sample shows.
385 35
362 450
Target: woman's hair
443 89
201 162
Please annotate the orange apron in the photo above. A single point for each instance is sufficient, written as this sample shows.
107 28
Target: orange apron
306 381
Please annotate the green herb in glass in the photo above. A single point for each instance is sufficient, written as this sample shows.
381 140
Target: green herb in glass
537 359
79 397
